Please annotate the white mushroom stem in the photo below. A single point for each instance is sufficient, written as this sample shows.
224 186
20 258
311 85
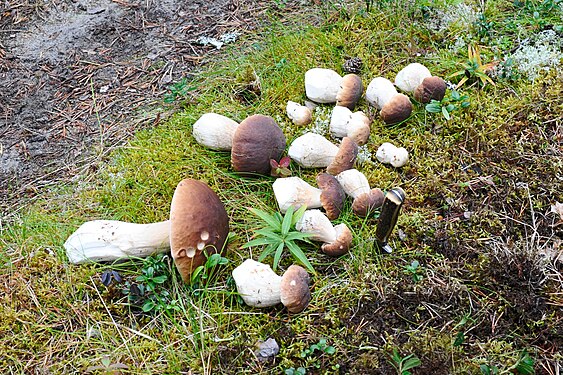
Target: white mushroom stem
293 191
354 182
257 284
109 240
344 123
316 223
411 76
322 85
299 114
388 153
380 91
215 131
312 151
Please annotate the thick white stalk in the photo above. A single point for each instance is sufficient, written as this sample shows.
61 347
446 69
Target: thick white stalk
109 240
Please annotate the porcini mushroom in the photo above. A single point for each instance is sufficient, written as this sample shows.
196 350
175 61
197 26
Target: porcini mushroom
322 85
257 284
411 76
300 115
312 150
256 141
344 123
394 107
388 153
214 131
336 239
294 289
345 158
199 225
332 195
431 88
350 91
356 185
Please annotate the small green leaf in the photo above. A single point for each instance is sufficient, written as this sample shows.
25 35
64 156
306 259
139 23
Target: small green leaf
459 339
433 107
299 255
268 250
465 104
277 255
298 214
286 224
148 306
267 218
445 113
267 232
455 95
298 236
160 279
411 362
450 107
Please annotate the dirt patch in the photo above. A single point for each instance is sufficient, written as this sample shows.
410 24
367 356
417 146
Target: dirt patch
75 75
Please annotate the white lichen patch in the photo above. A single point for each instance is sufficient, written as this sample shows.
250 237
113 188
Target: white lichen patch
364 156
321 121
461 15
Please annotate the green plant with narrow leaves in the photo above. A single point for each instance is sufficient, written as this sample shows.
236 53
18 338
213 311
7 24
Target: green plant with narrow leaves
404 364
450 103
203 274
280 233
473 69
178 90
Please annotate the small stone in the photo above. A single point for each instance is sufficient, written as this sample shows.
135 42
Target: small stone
267 349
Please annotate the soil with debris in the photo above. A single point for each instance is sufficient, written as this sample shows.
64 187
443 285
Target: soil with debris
79 77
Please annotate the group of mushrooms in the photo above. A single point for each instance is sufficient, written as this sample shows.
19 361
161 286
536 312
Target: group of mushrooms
198 225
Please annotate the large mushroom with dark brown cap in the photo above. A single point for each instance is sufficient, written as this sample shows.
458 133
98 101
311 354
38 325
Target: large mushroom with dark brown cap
294 289
332 195
431 88
199 226
350 92
345 158
356 185
394 107
256 141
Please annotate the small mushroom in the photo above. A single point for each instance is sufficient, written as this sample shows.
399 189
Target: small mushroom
322 85
350 92
256 141
388 153
199 226
312 151
293 191
356 185
337 239
394 107
294 289
214 131
300 115
332 195
257 284
431 88
411 76
344 123
345 158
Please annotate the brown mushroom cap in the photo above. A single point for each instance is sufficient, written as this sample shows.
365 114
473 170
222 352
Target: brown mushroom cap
365 203
342 243
332 195
397 109
351 90
294 289
430 88
257 139
345 158
199 225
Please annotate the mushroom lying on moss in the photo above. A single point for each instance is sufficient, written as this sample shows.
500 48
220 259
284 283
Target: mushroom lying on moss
300 115
214 131
337 239
356 185
322 85
350 91
394 107
345 123
417 79
312 150
388 153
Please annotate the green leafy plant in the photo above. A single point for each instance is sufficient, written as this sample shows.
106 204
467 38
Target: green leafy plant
148 291
280 169
414 270
404 364
321 347
107 367
295 371
524 365
446 106
178 90
280 233
474 69
203 274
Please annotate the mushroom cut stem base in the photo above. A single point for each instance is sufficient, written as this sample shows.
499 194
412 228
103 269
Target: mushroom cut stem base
109 240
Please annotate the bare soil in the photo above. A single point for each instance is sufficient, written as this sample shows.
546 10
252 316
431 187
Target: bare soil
79 77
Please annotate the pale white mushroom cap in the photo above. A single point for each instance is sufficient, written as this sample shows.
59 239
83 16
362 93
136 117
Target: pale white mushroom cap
215 131
339 120
380 91
400 157
312 150
411 76
316 223
353 182
257 284
322 85
385 152
293 191
299 114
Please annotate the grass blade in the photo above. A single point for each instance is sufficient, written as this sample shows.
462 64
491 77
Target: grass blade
267 218
286 224
300 255
277 255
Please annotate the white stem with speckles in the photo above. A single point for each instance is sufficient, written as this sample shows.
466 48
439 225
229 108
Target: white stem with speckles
109 240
